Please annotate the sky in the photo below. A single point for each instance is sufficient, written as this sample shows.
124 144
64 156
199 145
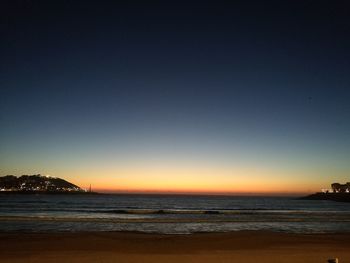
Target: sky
183 97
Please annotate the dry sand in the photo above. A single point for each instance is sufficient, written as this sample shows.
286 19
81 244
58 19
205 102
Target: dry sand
245 246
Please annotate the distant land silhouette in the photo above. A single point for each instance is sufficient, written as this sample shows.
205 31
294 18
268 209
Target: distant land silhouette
338 193
37 184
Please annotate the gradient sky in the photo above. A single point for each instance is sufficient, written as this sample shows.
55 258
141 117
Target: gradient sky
171 96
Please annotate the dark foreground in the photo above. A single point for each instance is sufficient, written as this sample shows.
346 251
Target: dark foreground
247 247
338 197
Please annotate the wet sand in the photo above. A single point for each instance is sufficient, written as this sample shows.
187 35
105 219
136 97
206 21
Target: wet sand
244 246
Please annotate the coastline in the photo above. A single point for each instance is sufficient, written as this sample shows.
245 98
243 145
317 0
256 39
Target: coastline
242 246
10 193
337 197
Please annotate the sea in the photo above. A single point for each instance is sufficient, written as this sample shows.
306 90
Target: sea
170 214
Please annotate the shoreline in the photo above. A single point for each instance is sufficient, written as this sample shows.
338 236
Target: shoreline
336 197
154 234
240 246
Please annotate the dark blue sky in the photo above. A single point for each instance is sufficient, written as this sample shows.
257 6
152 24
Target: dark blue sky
186 77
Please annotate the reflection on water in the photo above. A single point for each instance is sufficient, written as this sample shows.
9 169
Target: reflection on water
170 214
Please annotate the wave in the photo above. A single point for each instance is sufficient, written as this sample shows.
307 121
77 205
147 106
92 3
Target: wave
143 211
207 211
157 217
14 202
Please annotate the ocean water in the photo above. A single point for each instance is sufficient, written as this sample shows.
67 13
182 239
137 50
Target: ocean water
170 214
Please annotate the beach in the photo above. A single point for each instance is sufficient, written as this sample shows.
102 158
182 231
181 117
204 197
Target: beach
241 246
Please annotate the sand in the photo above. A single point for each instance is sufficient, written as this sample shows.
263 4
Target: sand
245 246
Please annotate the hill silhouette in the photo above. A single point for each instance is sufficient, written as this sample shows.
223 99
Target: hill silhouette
36 183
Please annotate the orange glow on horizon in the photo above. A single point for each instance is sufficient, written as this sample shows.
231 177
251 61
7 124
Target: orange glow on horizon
161 180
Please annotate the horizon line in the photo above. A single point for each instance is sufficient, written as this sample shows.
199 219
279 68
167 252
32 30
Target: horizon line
197 193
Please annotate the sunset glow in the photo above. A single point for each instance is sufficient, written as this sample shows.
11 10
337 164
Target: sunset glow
205 104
